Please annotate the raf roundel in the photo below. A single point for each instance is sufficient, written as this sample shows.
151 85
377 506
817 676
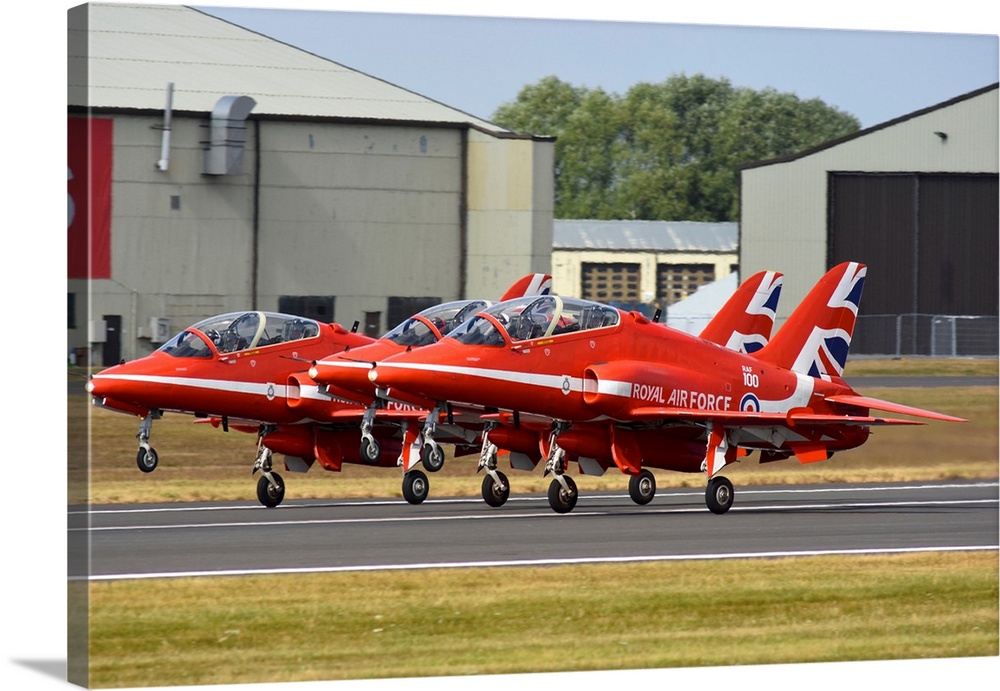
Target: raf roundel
750 404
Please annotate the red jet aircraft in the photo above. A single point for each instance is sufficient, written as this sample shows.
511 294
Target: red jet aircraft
626 392
243 370
743 324
345 375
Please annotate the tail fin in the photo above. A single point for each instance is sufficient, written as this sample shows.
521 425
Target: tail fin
745 322
817 336
532 284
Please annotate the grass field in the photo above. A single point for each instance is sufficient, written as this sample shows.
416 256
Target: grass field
566 618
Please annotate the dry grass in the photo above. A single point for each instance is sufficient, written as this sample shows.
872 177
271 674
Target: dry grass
920 366
199 462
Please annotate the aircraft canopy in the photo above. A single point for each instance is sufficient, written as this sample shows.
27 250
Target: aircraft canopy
416 330
532 318
239 331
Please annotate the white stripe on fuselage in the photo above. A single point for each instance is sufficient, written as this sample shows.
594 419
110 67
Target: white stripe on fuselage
244 387
800 397
545 381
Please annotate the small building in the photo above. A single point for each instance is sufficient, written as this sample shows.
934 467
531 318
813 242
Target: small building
916 200
214 169
643 265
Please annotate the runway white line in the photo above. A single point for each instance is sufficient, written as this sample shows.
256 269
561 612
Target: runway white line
532 563
542 514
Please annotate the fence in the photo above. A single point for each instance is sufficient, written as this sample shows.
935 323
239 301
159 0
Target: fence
895 335
934 335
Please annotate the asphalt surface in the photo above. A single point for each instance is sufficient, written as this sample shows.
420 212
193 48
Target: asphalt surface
303 536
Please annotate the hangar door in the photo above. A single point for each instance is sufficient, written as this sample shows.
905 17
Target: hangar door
930 243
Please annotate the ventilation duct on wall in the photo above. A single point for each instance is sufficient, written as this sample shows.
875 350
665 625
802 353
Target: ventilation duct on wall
227 135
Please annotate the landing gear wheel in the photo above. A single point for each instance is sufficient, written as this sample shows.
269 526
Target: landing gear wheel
719 495
562 500
370 451
496 494
642 487
432 456
268 494
415 487
147 459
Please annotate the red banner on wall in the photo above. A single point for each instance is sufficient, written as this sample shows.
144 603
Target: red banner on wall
90 153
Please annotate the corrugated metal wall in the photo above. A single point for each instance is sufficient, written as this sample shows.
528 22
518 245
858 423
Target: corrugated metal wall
930 242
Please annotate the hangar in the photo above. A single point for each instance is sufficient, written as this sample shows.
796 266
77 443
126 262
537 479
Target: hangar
213 169
915 199
643 265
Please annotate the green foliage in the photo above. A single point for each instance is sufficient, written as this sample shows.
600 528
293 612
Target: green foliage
668 151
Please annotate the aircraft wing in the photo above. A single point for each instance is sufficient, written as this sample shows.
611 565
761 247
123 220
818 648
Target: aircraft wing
738 418
890 407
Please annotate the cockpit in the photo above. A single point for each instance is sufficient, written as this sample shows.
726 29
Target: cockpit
419 330
531 318
239 331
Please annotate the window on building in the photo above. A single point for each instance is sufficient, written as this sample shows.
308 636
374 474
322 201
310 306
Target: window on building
612 282
401 309
71 310
318 307
674 282
373 324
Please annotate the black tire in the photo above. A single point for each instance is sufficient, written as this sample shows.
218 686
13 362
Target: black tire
642 487
563 500
496 494
432 456
268 495
719 495
415 487
147 460
370 451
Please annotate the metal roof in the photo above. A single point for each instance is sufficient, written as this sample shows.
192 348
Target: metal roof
129 53
674 236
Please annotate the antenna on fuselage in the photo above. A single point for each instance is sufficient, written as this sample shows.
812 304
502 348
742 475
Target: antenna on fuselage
354 329
656 315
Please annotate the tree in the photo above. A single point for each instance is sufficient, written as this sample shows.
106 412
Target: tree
667 151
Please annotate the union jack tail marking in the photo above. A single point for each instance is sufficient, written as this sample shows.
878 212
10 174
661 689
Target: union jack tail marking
745 322
532 284
817 336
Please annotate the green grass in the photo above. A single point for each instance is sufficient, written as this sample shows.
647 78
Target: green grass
569 618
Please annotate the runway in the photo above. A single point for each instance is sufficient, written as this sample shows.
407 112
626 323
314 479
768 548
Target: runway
171 540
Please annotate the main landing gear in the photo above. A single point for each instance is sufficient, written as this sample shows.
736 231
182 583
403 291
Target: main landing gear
496 486
562 490
415 486
146 457
642 487
270 485
719 494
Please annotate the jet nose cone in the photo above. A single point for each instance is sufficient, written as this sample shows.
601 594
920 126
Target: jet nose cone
402 384
347 375
96 386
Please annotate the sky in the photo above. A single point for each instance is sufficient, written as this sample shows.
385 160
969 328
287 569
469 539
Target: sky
476 63
871 71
